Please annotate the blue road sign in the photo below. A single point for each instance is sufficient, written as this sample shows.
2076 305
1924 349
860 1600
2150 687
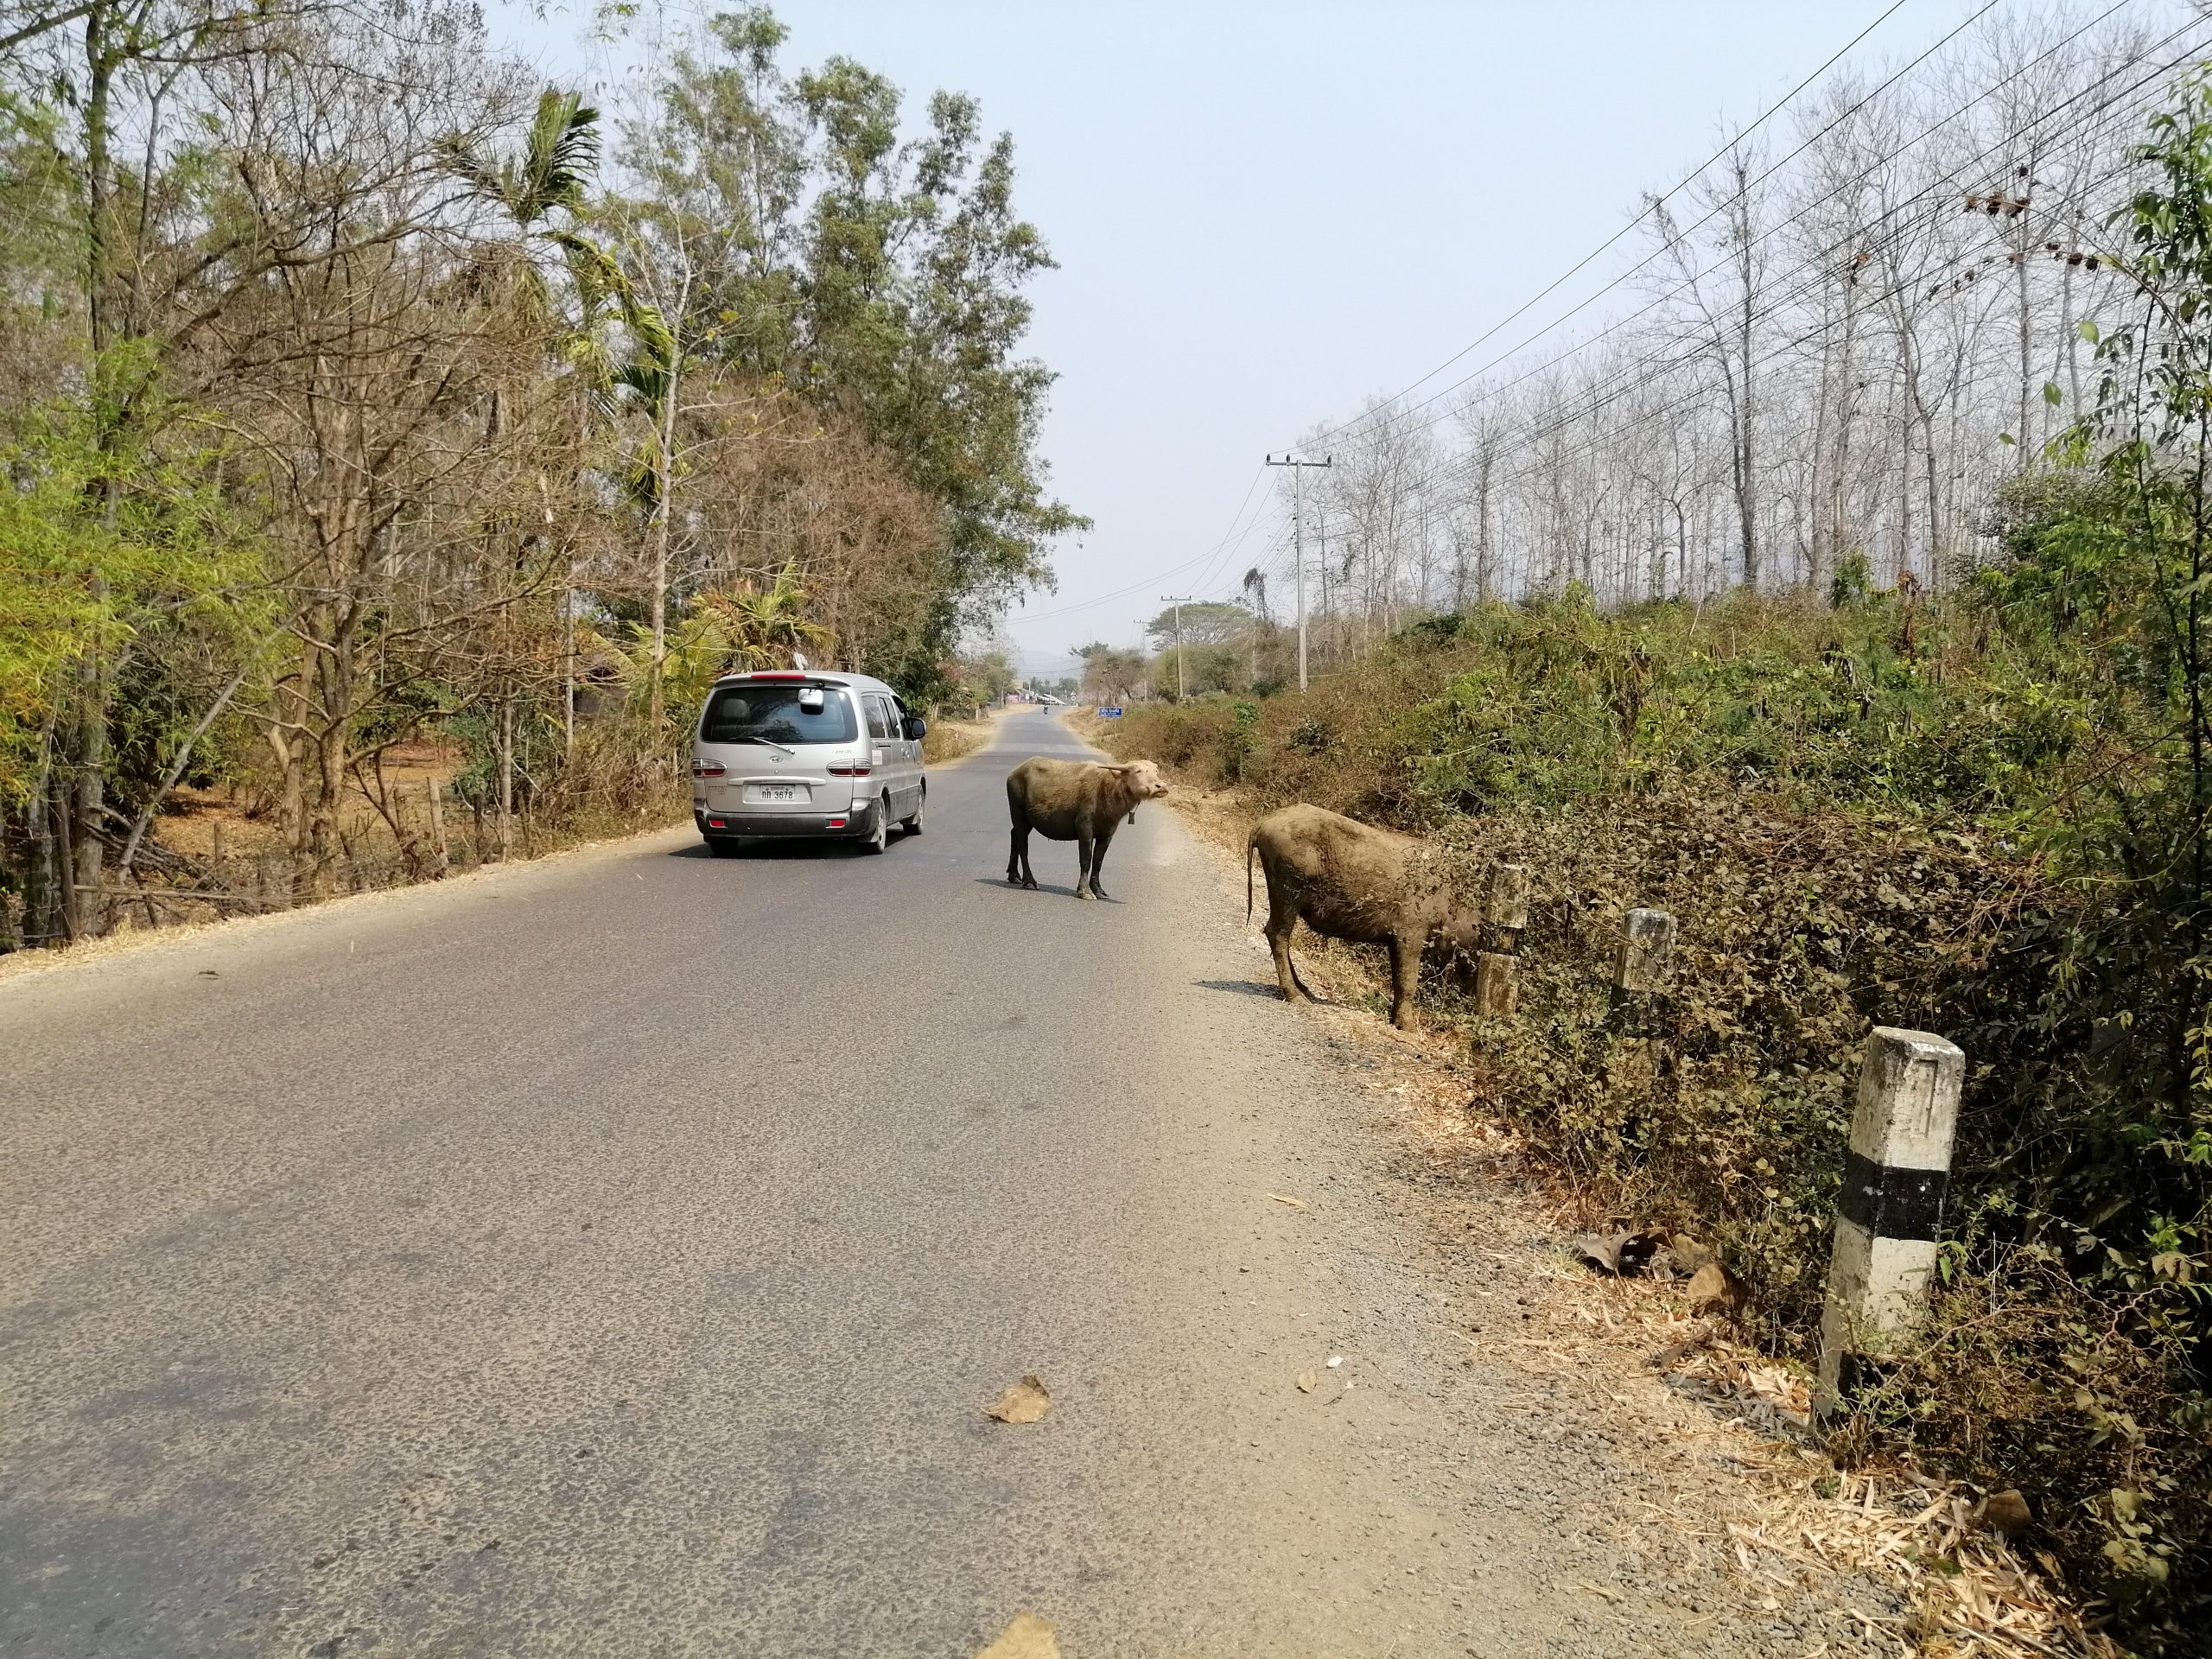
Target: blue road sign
1106 713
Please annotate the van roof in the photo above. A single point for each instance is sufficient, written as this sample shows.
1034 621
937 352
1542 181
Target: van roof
806 676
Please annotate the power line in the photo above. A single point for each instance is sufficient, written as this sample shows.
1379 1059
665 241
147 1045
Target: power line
1690 178
1643 368
1123 593
1391 417
1234 540
1900 223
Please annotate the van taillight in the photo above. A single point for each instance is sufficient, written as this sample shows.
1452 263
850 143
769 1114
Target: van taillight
706 768
849 771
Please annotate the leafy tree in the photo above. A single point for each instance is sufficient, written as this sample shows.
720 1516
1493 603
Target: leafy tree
880 278
1205 622
1110 675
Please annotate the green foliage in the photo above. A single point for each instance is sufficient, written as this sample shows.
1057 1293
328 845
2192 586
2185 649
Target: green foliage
1203 622
83 583
1971 816
881 278
1110 675
756 626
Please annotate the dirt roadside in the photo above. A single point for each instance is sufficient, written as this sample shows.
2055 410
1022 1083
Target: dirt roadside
1728 1504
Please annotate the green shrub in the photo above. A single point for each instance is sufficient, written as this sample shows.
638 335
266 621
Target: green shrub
1872 815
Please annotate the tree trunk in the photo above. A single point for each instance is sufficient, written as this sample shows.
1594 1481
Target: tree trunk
505 744
88 763
42 904
664 466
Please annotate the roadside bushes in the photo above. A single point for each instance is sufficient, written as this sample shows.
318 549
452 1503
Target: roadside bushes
1899 812
1887 701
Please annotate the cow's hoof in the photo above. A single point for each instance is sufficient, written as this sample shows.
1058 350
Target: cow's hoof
1083 894
1029 886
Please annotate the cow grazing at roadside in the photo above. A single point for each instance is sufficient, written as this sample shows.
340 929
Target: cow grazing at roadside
1077 801
1350 881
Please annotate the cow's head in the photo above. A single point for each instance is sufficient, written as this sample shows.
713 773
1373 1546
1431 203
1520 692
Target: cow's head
1143 779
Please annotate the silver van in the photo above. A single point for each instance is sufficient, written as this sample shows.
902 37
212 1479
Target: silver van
798 751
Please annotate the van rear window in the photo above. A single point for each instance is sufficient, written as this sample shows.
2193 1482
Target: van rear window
773 714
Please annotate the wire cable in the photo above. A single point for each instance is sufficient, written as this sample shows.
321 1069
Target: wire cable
1683 184
1393 417
1639 369
1123 593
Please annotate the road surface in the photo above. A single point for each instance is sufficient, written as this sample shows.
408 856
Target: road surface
615 1255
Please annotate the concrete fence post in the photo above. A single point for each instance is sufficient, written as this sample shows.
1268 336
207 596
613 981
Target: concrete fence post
276 882
1646 963
1892 1207
1506 913
438 825
1643 966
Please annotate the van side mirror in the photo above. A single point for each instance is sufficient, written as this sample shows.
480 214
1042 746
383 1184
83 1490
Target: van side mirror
913 726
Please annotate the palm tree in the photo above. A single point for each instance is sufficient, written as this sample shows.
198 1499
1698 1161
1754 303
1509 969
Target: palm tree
548 178
542 192
762 624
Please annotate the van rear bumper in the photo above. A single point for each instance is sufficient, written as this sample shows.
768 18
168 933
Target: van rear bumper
854 824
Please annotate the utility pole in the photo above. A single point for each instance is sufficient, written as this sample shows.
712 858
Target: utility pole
1178 602
1297 539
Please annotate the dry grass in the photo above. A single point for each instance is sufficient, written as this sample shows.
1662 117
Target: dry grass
947 741
1797 1522
200 819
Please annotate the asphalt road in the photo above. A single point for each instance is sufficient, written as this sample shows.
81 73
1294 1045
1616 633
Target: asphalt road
615 1255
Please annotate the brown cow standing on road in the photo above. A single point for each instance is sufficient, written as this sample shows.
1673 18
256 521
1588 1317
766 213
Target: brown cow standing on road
1077 801
1350 881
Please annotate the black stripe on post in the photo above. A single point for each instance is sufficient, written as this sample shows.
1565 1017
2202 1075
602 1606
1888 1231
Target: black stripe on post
1892 1203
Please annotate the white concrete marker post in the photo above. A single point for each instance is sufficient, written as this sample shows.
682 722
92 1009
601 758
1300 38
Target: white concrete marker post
1892 1207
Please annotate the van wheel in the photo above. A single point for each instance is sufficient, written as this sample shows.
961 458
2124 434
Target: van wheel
879 835
913 826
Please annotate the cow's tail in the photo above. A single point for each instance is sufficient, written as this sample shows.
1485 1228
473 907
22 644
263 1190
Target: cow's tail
1251 846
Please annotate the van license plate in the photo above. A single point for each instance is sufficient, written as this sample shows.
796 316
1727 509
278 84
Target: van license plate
770 794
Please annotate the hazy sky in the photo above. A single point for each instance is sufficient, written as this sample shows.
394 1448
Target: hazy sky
1264 213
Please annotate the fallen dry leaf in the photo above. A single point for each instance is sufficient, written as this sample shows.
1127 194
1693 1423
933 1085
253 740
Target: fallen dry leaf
1689 1254
1714 1289
1295 1203
1027 1637
1308 1381
1024 1401
1616 1253
2006 1512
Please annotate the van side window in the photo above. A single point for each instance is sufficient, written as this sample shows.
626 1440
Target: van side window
879 726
